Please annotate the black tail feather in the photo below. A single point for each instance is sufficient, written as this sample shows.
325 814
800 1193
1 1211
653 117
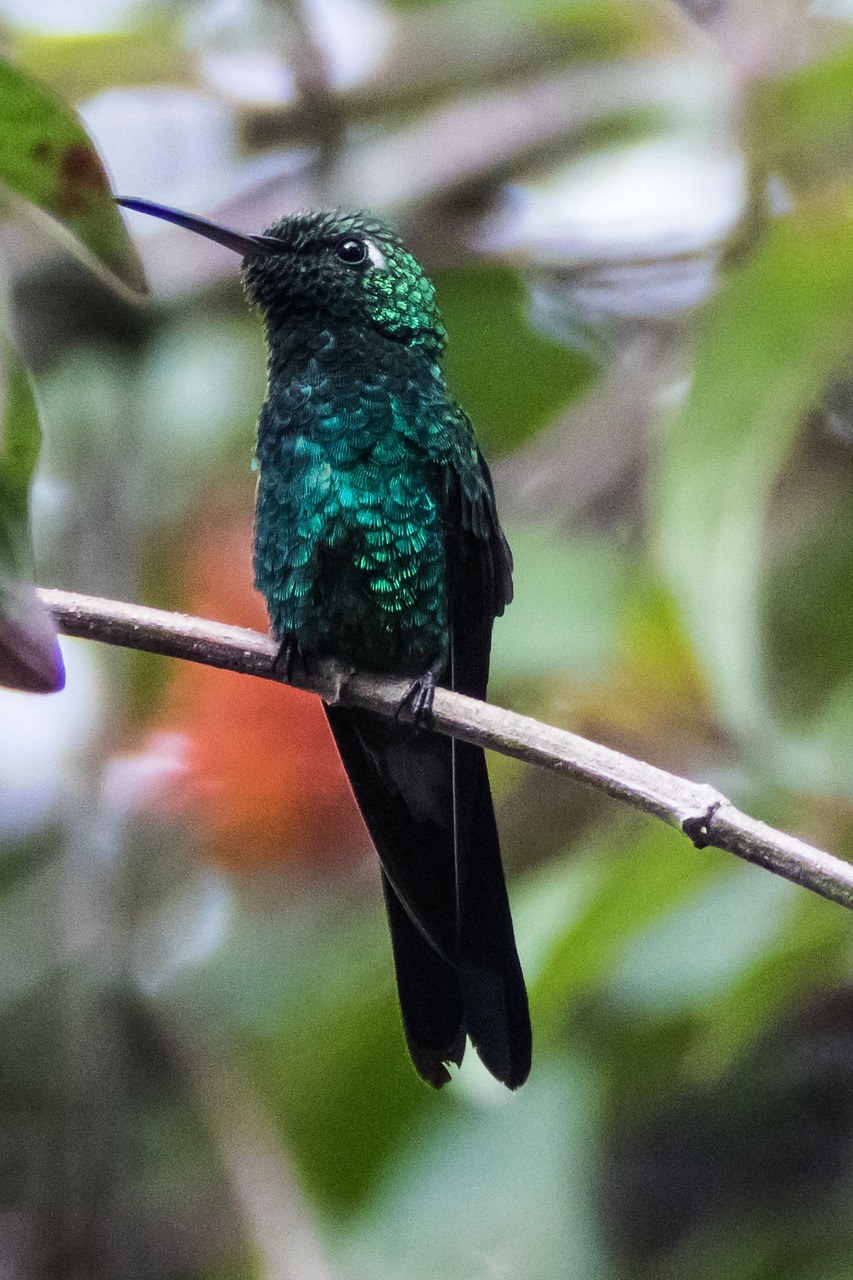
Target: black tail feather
494 994
454 950
430 1000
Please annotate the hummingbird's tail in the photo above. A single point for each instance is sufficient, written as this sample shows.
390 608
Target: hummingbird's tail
428 807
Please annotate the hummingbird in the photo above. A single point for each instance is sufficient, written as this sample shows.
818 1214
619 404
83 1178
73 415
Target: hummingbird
377 543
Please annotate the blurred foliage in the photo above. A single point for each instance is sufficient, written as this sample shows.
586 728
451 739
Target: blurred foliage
782 322
29 652
77 66
638 220
47 158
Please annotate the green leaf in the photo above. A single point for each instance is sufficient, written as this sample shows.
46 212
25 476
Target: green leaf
800 125
309 994
576 32
778 329
807 612
806 955
559 578
608 896
500 1189
47 158
30 658
527 377
20 441
338 1079
149 49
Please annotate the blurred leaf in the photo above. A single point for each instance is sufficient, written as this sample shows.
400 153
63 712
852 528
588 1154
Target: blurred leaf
801 125
807 608
447 47
308 988
47 157
803 956
650 698
78 66
27 941
243 1266
21 439
768 345
200 386
30 658
656 650
338 1077
500 1190
825 768
640 875
509 379
611 26
578 30
565 612
698 950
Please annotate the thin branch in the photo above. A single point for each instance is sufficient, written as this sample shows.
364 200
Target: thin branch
701 812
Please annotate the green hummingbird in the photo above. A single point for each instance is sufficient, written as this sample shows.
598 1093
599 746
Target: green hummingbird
377 543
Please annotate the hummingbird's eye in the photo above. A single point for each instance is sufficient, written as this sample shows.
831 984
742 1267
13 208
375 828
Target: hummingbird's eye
352 252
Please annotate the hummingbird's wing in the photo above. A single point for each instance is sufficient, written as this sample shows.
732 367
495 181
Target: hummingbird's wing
479 565
480 586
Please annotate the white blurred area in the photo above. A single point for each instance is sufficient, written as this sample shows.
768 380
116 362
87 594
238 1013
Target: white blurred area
247 60
666 196
634 230
45 738
169 144
61 18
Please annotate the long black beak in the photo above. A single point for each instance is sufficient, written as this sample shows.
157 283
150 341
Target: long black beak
246 245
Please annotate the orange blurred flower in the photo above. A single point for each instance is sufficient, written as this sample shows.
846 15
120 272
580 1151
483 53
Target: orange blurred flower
263 779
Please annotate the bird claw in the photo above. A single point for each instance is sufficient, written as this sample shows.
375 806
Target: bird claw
416 703
290 657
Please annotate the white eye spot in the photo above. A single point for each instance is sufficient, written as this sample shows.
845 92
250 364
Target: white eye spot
356 250
376 256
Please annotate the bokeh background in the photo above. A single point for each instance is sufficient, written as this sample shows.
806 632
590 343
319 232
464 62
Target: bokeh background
638 217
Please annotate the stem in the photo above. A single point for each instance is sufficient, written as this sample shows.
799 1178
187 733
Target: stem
701 812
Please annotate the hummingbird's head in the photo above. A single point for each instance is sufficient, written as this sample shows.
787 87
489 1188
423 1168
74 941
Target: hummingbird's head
349 268
339 268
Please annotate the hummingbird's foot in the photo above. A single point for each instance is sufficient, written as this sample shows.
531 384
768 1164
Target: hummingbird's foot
416 703
290 658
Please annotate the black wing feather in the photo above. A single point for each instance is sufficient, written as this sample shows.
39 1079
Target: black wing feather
480 586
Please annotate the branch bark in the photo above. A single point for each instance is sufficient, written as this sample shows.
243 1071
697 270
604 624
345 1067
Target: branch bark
700 811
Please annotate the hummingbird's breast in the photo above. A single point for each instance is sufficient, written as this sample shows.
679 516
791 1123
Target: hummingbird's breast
349 532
